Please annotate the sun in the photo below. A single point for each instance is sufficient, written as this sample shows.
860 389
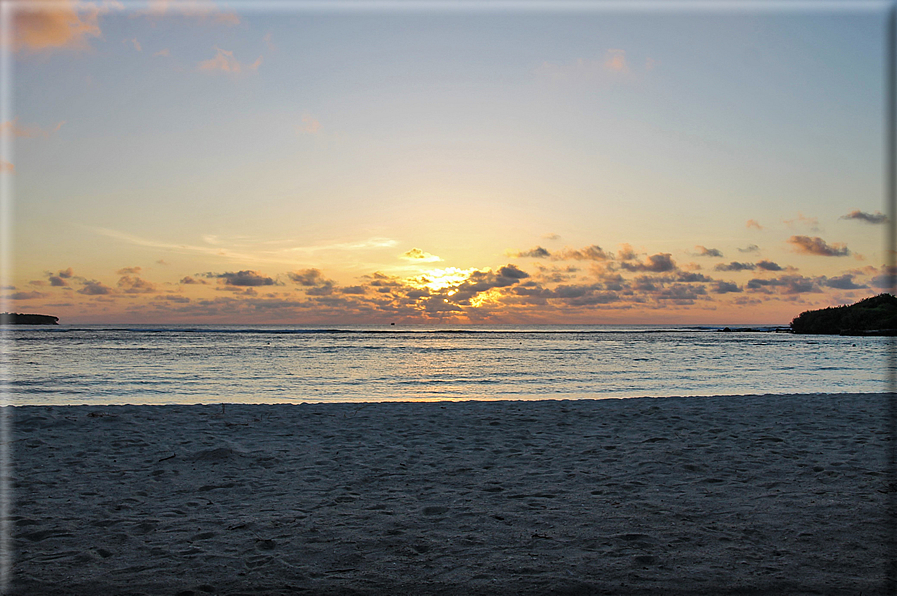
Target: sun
440 279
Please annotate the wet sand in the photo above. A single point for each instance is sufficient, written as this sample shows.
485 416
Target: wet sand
701 495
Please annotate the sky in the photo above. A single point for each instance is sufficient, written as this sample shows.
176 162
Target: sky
313 163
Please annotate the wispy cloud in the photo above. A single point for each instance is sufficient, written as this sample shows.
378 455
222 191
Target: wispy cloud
12 127
268 43
283 255
812 223
536 252
616 60
613 65
205 10
419 256
753 223
44 26
308 126
588 253
224 61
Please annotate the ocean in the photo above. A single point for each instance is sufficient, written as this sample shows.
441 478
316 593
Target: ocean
104 365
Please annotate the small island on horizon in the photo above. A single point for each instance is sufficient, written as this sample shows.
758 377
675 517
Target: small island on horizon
12 318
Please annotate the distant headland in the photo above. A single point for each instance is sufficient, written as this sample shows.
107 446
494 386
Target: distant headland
13 318
872 316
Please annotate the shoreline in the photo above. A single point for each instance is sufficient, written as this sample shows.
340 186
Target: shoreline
737 494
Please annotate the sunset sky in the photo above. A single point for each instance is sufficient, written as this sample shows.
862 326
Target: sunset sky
371 163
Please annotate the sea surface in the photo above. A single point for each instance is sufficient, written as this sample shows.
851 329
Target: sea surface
103 365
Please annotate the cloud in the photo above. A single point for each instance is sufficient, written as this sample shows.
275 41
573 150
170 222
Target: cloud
877 218
613 64
887 279
708 252
844 282
129 271
188 280
416 254
733 266
356 290
811 222
285 255
768 266
224 61
309 125
242 278
479 282
165 53
135 43
589 253
753 223
551 236
31 131
5 166
691 277
615 60
658 263
512 272
725 287
135 285
27 295
43 26
95 288
626 253
205 10
59 280
307 277
534 253
789 284
817 246
750 248
680 293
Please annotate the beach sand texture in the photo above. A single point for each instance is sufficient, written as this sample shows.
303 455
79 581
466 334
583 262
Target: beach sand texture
746 495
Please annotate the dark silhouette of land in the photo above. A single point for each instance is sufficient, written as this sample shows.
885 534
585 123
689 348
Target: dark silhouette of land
872 316
12 318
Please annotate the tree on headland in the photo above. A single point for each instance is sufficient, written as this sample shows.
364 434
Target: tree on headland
873 316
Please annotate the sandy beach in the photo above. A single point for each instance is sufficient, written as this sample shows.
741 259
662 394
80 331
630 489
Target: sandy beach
719 495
